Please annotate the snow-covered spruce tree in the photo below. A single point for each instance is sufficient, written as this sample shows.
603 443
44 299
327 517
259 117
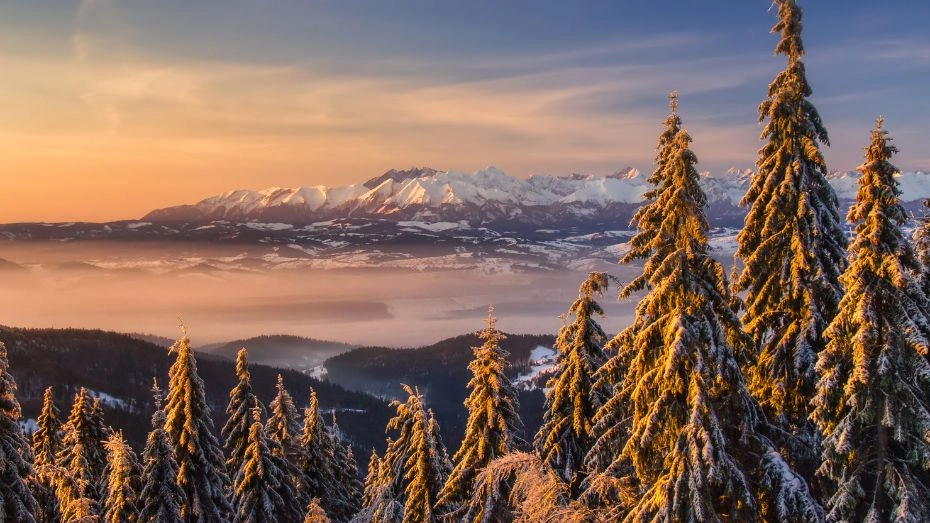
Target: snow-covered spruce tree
283 429
381 491
792 249
347 491
611 422
123 482
200 461
693 434
16 501
46 444
425 469
873 397
83 453
160 498
315 513
413 470
493 421
46 440
258 483
922 248
371 478
317 456
242 401
572 400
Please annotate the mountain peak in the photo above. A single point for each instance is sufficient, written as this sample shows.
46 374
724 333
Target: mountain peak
401 175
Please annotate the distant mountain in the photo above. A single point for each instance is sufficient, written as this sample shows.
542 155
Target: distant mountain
293 352
488 197
7 265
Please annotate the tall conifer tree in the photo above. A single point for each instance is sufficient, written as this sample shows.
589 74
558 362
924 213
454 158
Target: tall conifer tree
160 498
873 400
370 487
16 501
693 432
83 452
242 402
283 429
792 250
347 490
572 400
46 440
190 429
318 455
257 487
46 445
493 420
413 470
121 504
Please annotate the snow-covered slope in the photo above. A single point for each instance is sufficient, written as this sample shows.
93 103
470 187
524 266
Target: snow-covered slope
487 197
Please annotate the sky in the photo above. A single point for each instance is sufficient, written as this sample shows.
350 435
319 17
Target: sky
110 108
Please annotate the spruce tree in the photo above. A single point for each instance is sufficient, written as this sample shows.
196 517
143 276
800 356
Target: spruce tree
413 470
16 501
572 399
46 440
922 248
190 430
873 397
257 486
315 513
693 435
123 482
239 415
160 498
792 250
370 487
283 424
611 422
46 444
316 464
283 429
346 492
83 452
493 420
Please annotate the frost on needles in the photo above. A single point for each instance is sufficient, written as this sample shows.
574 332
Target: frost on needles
691 429
873 397
792 250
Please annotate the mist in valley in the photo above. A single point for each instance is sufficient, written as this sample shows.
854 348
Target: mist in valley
225 292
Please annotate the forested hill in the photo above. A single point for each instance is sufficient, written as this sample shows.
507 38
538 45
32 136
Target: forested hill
122 367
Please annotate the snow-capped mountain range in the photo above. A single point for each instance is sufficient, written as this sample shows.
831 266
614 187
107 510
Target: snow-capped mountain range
487 197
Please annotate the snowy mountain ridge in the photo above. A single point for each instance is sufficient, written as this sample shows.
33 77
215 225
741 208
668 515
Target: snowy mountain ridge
484 196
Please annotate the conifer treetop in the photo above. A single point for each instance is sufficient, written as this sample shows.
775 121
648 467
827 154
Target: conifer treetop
789 26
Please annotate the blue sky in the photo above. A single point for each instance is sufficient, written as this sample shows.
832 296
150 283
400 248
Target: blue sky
198 97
